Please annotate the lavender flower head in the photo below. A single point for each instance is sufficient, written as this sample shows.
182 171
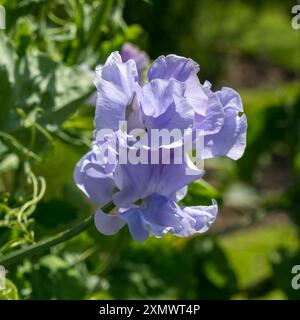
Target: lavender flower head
146 194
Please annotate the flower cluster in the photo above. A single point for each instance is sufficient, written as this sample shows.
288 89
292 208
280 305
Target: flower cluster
146 195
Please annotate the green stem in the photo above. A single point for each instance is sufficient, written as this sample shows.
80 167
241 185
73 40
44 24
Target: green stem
46 244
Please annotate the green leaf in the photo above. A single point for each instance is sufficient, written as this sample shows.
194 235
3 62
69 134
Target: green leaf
57 89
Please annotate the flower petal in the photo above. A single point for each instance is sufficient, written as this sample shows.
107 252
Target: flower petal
172 66
184 70
213 119
159 215
108 224
230 141
136 224
141 59
116 83
141 180
165 106
198 219
93 180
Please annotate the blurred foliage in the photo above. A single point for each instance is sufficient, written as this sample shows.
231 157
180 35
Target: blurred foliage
46 126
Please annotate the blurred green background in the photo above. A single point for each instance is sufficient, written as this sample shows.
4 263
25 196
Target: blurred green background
45 127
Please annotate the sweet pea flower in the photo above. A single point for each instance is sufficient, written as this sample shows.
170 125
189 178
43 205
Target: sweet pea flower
172 98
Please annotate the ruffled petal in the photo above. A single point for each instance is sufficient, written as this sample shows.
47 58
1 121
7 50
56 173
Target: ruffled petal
184 70
172 66
230 99
108 224
165 106
174 177
136 224
197 219
213 119
159 215
93 179
134 182
230 141
141 59
140 181
116 83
